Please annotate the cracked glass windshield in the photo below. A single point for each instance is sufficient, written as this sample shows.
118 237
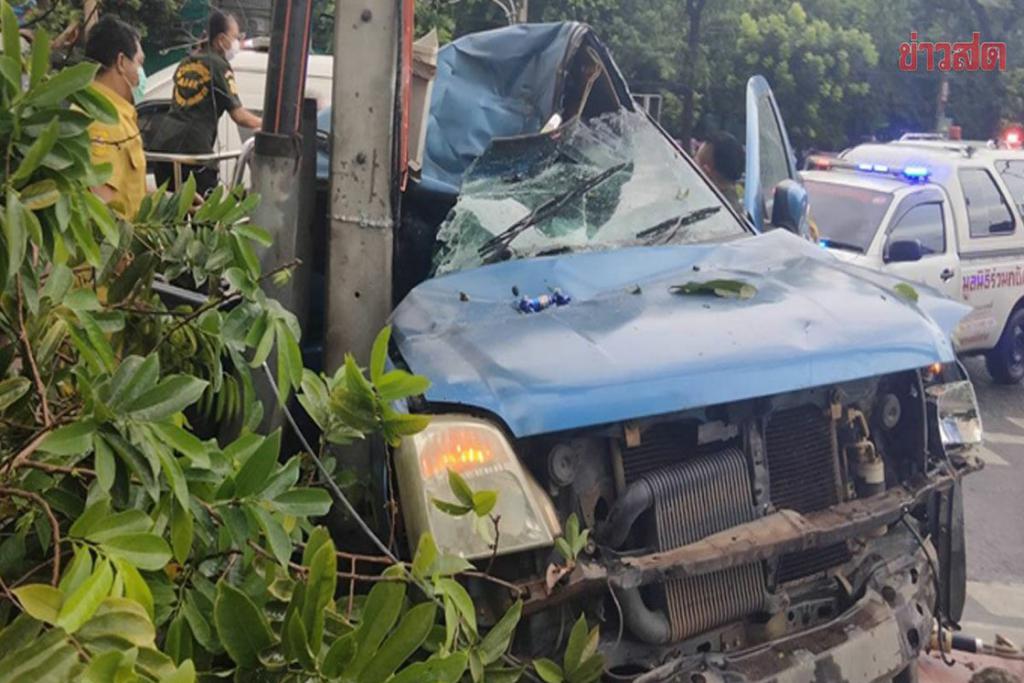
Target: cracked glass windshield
613 181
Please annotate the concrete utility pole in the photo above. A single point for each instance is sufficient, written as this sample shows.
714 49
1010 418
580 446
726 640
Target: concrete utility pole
363 190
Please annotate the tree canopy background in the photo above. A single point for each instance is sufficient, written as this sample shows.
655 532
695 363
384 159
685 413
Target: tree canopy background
833 64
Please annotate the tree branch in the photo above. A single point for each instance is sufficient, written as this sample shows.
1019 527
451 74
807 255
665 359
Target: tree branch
23 333
54 524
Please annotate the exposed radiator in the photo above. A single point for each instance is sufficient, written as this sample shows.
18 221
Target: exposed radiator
692 500
804 473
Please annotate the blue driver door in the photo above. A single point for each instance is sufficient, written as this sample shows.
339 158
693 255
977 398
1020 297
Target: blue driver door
770 158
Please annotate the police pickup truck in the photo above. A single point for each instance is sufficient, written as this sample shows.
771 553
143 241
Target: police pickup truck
946 214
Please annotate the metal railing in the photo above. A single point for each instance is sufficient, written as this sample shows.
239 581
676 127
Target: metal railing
243 156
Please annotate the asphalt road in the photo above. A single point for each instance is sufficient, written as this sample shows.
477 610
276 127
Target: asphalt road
994 508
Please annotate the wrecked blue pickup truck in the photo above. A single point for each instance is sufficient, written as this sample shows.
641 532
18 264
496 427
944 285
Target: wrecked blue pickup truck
765 443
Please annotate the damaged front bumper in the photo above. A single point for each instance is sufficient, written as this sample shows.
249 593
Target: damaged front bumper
874 640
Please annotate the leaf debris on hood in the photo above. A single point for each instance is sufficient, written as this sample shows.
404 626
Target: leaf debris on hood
906 291
727 289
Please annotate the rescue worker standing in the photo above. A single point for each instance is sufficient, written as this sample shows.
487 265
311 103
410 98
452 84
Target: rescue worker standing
204 88
114 45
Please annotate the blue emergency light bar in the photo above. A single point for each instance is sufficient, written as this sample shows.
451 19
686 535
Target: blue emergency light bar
914 174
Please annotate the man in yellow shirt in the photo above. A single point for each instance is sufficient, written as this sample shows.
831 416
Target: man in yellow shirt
115 46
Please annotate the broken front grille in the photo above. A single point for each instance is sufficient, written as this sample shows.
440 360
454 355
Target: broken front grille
803 470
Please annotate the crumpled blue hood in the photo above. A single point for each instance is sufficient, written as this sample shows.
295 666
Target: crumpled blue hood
626 347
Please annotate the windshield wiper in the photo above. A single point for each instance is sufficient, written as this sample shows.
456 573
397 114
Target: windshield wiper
500 242
836 244
673 225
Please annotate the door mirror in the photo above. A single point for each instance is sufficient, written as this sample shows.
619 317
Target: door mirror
770 158
789 207
904 251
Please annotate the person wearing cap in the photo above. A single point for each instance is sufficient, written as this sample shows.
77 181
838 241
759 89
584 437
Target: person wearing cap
204 89
115 46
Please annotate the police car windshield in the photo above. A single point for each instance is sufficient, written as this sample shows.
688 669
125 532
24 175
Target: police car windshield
847 217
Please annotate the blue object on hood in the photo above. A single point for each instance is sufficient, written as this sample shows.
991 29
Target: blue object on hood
627 347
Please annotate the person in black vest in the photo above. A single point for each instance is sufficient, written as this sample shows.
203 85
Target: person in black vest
204 89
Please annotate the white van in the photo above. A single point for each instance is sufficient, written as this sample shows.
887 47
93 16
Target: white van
250 67
946 214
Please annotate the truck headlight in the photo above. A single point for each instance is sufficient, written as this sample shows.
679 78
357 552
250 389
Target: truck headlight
956 408
483 456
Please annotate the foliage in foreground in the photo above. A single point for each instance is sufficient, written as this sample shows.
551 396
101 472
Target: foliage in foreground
134 545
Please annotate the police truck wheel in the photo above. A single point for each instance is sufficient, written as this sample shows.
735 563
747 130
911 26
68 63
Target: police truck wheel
1006 361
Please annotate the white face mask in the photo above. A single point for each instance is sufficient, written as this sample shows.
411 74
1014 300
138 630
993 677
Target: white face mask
232 52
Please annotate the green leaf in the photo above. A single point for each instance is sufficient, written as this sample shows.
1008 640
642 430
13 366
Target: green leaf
379 355
40 601
323 580
497 640
452 509
277 537
106 468
460 488
134 377
89 518
426 554
254 233
181 532
80 605
12 38
136 463
255 472
574 649
726 289
317 539
135 587
62 84
548 671
399 384
303 502
40 195
339 655
411 632
907 292
40 60
263 348
105 667
11 390
484 502
95 105
242 628
118 524
383 605
119 618
103 218
50 658
184 442
590 671
565 550
463 603
18 634
449 565
146 551
78 571
186 195
178 642
185 673
175 476
297 642
173 394
73 439
444 670
36 153
14 233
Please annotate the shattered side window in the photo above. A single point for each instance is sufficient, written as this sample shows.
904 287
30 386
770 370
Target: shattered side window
614 181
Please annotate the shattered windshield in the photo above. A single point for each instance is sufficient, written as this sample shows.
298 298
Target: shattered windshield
613 181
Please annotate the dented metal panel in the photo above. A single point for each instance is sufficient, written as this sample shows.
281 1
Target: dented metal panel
626 347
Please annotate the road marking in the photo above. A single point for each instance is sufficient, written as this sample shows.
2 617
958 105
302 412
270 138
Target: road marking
990 457
1008 439
1000 599
1017 421
987 632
